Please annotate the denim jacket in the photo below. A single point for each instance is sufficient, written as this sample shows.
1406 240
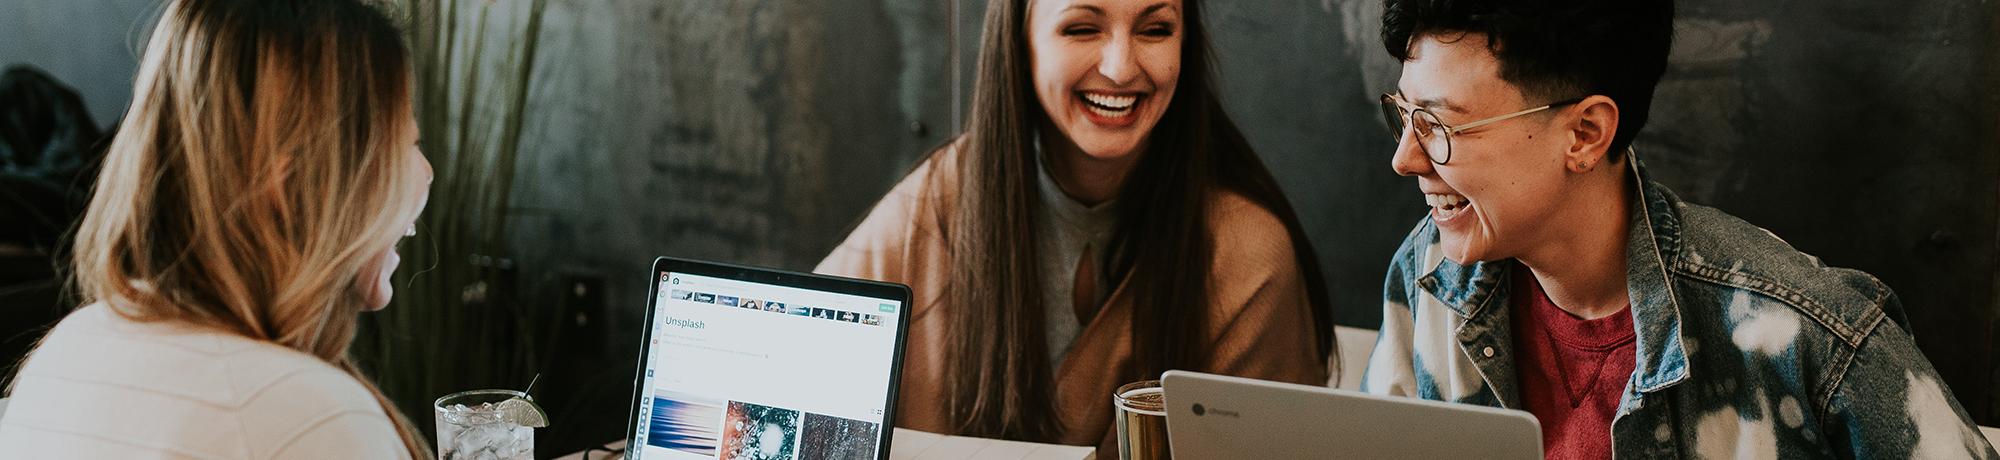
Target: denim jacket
1746 347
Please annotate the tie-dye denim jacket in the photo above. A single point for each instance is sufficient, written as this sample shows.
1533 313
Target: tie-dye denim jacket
1746 348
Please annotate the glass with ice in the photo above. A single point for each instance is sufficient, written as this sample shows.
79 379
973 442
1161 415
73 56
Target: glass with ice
487 425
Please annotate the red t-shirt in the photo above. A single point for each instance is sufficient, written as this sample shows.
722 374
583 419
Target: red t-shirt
1572 371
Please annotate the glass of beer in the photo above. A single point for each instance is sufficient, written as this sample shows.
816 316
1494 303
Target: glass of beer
1142 421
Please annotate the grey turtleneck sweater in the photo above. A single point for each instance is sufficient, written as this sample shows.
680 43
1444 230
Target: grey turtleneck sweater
1066 231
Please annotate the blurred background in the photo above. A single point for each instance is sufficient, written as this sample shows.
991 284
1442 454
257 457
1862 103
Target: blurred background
575 140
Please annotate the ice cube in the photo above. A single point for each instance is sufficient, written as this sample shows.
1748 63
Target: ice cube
487 441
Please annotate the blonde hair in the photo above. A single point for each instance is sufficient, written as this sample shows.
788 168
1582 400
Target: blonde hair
257 175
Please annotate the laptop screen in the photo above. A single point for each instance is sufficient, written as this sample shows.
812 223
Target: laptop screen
740 369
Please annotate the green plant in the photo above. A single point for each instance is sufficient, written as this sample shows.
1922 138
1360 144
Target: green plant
456 322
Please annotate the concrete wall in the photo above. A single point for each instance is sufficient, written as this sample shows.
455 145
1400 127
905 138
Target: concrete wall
93 45
759 131
755 132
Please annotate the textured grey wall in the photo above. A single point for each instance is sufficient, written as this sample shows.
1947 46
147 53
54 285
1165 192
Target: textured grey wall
758 131
93 45
754 132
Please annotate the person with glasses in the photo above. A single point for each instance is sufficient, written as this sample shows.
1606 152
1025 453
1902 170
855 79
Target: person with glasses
1552 275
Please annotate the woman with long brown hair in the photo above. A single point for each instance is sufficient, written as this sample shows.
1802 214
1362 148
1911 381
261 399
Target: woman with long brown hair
1100 221
246 213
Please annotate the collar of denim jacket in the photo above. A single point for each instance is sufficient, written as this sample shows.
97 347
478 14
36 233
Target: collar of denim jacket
1653 242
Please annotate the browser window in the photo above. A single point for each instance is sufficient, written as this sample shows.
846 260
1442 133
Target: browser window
757 371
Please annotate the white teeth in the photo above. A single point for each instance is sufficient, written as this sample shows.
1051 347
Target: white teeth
1440 200
1107 113
1111 102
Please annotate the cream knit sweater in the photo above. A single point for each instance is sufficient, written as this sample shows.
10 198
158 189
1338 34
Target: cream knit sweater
103 386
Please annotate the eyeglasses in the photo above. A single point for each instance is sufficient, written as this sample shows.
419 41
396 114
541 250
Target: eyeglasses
1433 136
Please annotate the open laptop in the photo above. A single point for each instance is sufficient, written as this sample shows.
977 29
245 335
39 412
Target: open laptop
743 362
1214 416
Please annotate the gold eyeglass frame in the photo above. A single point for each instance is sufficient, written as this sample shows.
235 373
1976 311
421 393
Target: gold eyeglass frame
1406 113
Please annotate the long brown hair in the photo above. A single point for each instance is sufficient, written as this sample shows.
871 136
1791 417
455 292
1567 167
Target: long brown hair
1000 377
257 174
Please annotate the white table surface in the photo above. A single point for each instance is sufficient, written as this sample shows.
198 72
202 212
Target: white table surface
918 445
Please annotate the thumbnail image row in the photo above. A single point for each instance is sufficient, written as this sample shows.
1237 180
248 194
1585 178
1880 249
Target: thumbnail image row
740 430
777 307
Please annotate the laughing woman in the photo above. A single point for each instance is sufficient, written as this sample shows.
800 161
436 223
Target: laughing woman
246 214
1100 221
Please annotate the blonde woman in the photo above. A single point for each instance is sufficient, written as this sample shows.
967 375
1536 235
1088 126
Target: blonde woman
247 212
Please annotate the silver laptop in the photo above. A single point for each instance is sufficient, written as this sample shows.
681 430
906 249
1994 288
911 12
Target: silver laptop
1214 416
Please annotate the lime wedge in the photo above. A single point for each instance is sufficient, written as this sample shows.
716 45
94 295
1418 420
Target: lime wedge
522 411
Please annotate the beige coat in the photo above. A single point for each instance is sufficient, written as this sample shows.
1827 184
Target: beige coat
1260 324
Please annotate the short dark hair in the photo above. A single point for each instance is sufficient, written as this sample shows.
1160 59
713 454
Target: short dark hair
1555 49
